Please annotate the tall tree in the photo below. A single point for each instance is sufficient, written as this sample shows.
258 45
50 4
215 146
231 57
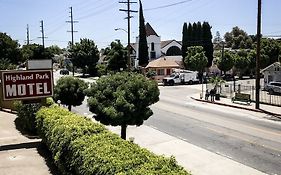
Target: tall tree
143 49
85 55
117 57
199 34
196 59
55 50
123 99
194 38
217 38
189 35
184 41
238 39
35 52
241 62
226 62
9 49
207 42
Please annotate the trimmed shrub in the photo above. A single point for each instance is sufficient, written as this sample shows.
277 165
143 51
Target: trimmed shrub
80 146
26 115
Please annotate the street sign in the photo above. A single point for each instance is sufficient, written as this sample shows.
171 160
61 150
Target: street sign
27 84
39 64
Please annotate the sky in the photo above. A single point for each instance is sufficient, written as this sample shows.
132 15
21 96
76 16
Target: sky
97 19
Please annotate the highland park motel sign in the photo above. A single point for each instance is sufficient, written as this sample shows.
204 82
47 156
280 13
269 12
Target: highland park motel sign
27 84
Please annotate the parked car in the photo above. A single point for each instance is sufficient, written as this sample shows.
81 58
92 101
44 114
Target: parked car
273 87
64 72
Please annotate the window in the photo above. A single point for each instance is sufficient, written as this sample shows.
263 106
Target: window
152 46
168 71
153 55
160 72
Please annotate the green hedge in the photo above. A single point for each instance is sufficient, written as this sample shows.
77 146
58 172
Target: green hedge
80 146
26 115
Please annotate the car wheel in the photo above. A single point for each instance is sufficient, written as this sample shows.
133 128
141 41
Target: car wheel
190 82
172 83
271 91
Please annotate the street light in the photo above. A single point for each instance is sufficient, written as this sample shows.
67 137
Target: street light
116 29
128 47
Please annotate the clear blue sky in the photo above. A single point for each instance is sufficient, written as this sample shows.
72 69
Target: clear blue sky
98 18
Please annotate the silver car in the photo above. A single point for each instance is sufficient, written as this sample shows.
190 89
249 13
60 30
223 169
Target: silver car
273 87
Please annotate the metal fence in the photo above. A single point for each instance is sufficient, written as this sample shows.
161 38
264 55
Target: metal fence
229 90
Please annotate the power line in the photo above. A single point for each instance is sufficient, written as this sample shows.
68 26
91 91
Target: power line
97 12
169 5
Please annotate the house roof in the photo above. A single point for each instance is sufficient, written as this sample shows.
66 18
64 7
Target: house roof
167 42
166 61
149 30
276 64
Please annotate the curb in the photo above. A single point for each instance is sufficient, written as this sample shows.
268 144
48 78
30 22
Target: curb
239 107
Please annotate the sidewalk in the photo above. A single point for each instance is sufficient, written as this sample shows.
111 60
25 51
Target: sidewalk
267 109
194 159
20 155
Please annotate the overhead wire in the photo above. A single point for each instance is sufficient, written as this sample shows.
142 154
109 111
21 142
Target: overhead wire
168 5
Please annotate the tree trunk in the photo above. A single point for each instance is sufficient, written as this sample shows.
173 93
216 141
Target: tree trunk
123 131
69 107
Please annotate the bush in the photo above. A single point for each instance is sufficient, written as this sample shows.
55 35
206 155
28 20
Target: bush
26 115
80 146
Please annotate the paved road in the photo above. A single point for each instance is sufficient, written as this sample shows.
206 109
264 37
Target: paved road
245 137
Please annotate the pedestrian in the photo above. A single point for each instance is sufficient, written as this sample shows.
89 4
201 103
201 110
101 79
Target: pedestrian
212 94
207 94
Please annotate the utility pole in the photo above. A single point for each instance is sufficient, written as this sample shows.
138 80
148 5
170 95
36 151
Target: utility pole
27 34
129 11
42 32
71 25
258 56
72 33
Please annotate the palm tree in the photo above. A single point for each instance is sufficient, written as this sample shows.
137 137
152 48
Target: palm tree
217 81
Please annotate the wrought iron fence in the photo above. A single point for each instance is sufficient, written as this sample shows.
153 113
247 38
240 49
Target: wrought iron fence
228 91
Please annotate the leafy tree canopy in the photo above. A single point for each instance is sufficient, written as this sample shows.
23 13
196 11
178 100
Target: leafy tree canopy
238 39
117 56
85 55
196 59
55 50
123 99
70 91
226 62
35 52
9 49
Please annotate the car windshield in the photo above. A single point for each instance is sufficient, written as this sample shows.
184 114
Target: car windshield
173 75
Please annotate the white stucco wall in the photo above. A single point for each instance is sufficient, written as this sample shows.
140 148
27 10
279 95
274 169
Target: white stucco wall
150 39
157 45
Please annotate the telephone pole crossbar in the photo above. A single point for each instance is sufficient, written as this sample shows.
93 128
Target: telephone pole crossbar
128 11
72 27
